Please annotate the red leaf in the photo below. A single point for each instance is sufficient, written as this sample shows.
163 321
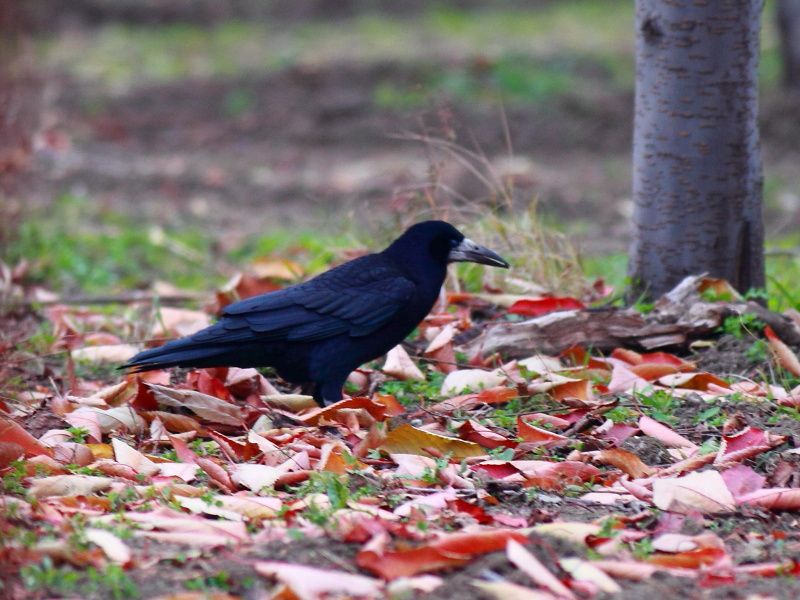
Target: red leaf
11 432
447 551
203 381
534 307
693 559
233 449
580 357
217 474
9 452
393 407
377 411
747 443
783 354
473 431
144 399
185 454
537 435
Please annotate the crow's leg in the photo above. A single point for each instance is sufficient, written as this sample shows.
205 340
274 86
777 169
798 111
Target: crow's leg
328 392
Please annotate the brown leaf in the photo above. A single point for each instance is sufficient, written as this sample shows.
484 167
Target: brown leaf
625 461
783 354
208 407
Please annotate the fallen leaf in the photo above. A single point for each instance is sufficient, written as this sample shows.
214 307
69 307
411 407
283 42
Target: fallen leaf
291 402
113 547
505 590
203 405
664 434
772 499
535 307
255 477
746 443
703 491
471 380
400 366
447 551
331 412
537 435
407 439
132 458
541 364
98 421
526 562
782 353
311 583
625 461
276 268
472 431
178 322
693 381
114 353
72 453
571 531
582 570
13 433
68 485
742 479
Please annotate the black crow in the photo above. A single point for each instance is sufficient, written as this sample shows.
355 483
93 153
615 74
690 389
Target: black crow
319 331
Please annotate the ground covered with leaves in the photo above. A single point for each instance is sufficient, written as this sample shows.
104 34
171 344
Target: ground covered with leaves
447 471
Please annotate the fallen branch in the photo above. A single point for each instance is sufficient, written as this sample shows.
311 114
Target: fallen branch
678 317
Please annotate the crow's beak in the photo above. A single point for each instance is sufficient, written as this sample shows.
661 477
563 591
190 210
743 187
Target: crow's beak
469 251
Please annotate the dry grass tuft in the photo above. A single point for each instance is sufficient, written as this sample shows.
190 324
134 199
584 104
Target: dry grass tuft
499 215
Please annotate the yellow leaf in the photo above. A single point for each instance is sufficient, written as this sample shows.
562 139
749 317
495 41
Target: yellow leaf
410 440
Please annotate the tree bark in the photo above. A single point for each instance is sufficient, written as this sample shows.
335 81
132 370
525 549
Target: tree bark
788 19
697 182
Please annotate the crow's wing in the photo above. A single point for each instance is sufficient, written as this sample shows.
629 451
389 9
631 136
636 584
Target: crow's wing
356 299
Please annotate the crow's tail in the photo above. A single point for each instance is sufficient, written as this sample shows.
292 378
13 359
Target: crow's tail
179 353
211 347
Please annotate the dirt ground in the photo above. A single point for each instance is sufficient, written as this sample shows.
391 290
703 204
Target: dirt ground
314 149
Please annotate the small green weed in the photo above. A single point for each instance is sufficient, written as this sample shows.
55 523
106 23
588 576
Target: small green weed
659 404
219 581
415 392
12 481
111 582
741 326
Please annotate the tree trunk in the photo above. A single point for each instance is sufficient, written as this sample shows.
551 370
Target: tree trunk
788 18
697 182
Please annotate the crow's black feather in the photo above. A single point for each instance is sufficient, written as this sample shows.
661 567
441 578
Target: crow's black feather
319 331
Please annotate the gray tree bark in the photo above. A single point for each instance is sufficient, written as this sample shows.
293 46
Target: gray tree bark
788 20
697 178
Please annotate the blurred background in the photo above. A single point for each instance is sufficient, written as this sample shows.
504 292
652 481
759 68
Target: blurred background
168 140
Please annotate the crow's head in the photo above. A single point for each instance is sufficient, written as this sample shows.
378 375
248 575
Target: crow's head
444 244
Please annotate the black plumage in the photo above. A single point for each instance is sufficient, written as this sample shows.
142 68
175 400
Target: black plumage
320 331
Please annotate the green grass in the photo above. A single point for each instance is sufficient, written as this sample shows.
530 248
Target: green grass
121 55
782 270
530 52
74 247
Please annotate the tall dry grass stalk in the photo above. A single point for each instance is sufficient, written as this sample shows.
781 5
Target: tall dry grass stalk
499 215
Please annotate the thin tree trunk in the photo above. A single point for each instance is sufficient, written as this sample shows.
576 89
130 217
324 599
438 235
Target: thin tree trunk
788 18
697 183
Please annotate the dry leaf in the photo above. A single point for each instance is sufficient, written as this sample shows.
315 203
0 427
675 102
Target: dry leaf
703 491
407 439
471 380
208 407
400 366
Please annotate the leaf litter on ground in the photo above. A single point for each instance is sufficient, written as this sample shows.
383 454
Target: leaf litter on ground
475 457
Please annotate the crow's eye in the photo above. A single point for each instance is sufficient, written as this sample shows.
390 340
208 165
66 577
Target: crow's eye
454 243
